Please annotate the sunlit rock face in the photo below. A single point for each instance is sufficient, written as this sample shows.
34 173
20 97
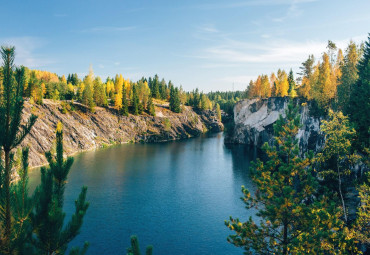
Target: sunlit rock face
84 130
254 120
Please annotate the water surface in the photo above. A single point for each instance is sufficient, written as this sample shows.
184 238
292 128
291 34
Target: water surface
175 196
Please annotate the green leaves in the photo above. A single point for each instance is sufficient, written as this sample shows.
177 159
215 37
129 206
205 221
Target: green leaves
293 217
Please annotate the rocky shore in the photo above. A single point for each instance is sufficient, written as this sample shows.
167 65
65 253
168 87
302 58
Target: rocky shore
84 130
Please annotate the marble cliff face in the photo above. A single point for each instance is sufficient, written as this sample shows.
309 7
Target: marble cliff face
84 130
254 120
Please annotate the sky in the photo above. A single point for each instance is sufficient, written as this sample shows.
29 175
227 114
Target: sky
211 45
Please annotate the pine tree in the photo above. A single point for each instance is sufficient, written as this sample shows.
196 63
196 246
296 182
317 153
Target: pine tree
175 100
124 108
349 76
150 107
88 91
51 234
135 101
155 87
100 97
22 206
292 88
294 219
359 107
135 248
12 134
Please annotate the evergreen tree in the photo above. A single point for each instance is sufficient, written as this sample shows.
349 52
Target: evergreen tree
22 206
124 108
359 107
88 91
175 100
150 107
87 96
100 97
135 248
51 234
292 88
294 219
135 101
349 76
12 134
155 87
307 67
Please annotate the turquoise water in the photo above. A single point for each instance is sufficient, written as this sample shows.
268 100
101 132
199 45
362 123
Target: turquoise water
174 196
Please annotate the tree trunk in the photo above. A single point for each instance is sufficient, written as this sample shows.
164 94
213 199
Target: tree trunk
341 195
285 238
7 200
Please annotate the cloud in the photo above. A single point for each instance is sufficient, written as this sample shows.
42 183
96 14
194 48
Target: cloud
252 3
107 29
208 28
26 49
292 12
271 51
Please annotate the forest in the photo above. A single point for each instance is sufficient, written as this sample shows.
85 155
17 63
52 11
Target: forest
300 200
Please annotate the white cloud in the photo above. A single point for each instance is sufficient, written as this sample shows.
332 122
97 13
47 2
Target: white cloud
26 51
272 51
253 3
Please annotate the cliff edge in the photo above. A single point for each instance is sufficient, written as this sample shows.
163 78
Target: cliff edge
254 120
84 130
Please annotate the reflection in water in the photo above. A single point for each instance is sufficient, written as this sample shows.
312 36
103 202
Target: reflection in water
174 195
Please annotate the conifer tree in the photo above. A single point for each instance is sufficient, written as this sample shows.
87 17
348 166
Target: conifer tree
155 87
150 107
51 234
100 97
12 134
124 108
292 88
135 248
294 219
175 100
135 101
359 107
22 206
349 76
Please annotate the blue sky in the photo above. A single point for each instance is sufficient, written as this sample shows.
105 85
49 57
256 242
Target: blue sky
204 44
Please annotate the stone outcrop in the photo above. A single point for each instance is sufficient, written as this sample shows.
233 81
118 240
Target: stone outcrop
84 130
254 120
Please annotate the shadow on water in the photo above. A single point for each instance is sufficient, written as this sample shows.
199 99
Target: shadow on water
173 195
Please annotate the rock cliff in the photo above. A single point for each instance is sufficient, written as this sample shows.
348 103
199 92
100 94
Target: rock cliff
254 121
84 130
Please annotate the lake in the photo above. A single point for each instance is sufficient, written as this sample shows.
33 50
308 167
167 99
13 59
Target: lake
174 196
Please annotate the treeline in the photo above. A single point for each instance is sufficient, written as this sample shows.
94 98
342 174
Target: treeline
227 99
327 81
124 95
336 81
